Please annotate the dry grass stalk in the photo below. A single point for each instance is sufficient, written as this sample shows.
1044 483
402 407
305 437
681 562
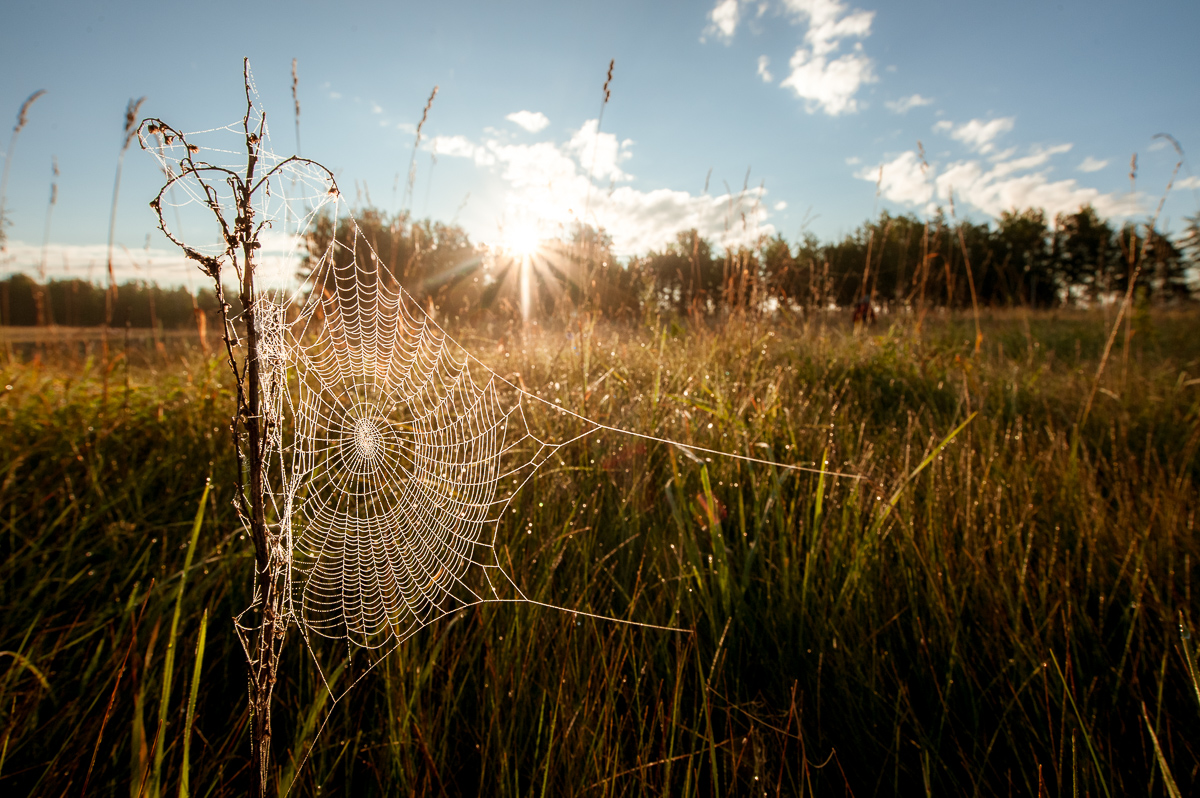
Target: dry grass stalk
296 103
110 297
1135 269
412 164
45 313
22 119
596 145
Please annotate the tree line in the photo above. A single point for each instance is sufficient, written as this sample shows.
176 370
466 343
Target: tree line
80 303
1022 259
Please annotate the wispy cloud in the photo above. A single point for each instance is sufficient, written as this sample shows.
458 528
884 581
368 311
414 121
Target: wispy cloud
1091 164
904 179
906 104
548 181
532 121
763 72
977 134
990 186
722 21
278 260
462 147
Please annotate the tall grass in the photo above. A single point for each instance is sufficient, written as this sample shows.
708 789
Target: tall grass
1015 617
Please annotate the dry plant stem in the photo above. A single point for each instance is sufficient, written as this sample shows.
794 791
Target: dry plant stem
1135 270
110 296
116 685
272 628
971 282
412 163
44 312
588 242
296 103
249 427
22 118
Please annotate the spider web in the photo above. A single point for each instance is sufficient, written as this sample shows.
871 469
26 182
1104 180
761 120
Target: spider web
407 452
393 453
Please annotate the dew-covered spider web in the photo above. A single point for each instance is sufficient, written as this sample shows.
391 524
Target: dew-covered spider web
394 453
405 458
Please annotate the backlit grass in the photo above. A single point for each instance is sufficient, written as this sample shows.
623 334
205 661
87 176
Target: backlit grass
1019 621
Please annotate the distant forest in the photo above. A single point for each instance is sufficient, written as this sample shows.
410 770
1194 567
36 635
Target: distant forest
1022 259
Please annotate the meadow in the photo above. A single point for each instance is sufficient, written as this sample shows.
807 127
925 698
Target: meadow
1007 610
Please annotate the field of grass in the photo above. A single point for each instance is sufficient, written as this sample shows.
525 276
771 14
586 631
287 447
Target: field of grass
1014 618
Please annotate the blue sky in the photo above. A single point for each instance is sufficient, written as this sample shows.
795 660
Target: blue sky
1015 104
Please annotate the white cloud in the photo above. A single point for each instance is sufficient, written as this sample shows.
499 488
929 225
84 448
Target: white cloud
991 187
763 71
977 134
376 108
906 104
722 20
535 167
1091 164
461 147
1191 181
829 22
548 183
781 206
825 82
532 121
903 180
828 85
600 153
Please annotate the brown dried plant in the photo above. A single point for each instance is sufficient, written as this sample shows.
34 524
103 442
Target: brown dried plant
296 103
264 635
110 296
22 119
412 164
45 314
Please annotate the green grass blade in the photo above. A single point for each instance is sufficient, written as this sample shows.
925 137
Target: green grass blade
169 664
1087 738
1169 780
191 707
892 502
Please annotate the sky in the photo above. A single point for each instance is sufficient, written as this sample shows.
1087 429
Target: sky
741 119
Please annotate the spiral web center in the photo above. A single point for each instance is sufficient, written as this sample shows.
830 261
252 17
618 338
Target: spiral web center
367 438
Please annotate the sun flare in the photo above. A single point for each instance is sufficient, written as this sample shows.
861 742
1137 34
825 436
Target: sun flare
522 239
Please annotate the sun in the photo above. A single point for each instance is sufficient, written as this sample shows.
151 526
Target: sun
522 239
